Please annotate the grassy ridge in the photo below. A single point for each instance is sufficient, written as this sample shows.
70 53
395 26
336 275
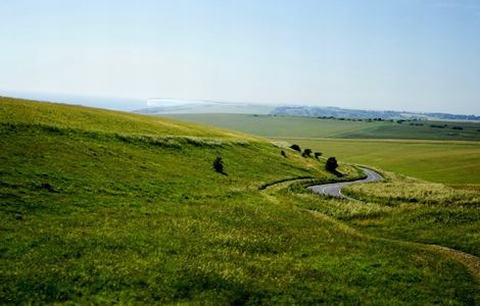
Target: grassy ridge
18 111
96 212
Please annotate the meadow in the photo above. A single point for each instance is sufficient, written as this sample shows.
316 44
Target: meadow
419 151
103 207
452 162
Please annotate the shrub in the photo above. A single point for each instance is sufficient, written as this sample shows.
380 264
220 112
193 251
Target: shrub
317 154
47 187
307 153
218 165
457 128
283 153
331 164
296 147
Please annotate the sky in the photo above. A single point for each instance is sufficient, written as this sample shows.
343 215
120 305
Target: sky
415 55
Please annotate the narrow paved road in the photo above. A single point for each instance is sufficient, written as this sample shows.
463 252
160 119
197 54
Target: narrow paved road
335 189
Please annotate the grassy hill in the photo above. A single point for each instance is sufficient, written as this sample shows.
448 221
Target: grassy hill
106 207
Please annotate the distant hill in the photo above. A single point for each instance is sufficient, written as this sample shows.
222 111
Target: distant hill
337 112
173 106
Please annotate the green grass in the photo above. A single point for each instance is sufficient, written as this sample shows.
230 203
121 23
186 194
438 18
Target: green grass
423 212
102 121
442 160
102 207
409 209
293 127
456 163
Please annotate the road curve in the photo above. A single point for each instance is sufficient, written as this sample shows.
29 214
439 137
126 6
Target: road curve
335 189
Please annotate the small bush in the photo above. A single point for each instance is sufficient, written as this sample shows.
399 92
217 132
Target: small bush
47 187
331 164
296 147
307 153
218 165
457 128
317 154
283 153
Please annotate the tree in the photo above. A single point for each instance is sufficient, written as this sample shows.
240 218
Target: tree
296 147
317 154
218 165
331 164
307 153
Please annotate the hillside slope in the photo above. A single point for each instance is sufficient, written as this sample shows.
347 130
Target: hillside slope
108 207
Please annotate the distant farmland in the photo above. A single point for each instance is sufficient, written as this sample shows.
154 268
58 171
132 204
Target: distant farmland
428 150
283 126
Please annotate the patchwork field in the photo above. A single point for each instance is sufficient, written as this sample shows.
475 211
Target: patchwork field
102 207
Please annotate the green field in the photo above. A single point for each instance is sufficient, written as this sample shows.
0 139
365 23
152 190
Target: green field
286 127
103 207
445 161
437 161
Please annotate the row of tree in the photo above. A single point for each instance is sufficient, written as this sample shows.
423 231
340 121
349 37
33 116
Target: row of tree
331 164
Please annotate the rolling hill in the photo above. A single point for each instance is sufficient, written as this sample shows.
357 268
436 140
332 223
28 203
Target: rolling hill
103 207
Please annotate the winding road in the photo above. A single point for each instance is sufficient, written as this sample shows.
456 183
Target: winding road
471 262
335 189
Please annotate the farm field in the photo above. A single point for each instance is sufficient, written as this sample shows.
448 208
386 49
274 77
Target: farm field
449 162
283 126
438 160
103 207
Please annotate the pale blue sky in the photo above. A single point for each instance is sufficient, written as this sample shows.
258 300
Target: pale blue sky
402 55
